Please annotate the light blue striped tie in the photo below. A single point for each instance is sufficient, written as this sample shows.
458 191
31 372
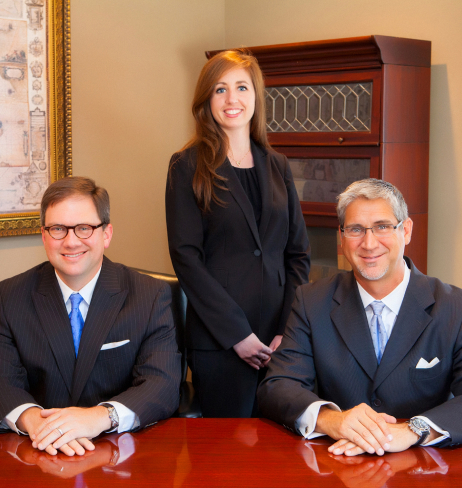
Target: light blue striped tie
378 331
76 320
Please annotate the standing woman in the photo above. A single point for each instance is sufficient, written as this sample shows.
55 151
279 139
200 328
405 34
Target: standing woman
236 236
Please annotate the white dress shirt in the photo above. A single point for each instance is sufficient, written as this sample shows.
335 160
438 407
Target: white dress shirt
306 423
128 420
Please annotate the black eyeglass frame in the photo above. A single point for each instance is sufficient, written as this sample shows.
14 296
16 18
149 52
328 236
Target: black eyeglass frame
342 229
67 227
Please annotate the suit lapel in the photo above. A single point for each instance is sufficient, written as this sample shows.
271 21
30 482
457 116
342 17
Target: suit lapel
410 323
263 169
350 320
107 300
52 314
238 193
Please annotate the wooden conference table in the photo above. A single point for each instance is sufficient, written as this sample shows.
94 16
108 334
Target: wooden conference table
221 453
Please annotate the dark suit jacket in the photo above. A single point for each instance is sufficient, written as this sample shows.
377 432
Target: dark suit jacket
238 278
37 358
327 339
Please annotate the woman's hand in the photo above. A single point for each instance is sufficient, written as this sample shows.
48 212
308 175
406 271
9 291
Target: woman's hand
273 346
253 351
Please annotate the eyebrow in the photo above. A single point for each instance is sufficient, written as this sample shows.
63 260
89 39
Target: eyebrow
237 82
377 222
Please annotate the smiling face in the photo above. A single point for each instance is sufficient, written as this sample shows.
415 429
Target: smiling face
75 260
233 100
377 262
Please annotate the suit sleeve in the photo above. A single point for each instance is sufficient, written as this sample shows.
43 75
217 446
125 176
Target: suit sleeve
447 416
220 314
14 384
154 393
297 251
287 390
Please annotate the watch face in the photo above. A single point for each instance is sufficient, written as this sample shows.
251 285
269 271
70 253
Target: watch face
420 425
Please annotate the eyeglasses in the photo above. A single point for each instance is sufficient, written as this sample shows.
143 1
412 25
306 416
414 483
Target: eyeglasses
82 231
380 230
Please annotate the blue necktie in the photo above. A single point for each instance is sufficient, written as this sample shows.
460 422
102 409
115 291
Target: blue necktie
379 334
76 320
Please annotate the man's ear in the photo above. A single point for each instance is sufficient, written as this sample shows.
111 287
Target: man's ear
407 227
107 234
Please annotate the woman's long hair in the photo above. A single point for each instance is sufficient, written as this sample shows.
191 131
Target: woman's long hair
209 139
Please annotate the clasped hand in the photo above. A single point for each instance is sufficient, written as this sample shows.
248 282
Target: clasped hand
66 429
361 429
254 352
358 430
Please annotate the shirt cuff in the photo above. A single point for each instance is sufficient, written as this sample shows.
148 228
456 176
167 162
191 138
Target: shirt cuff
306 423
444 433
10 420
128 420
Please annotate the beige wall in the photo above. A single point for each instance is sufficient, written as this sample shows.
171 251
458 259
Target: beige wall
260 22
134 67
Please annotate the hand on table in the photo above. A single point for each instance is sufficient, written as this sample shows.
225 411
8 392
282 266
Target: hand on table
77 425
403 438
361 426
253 351
31 420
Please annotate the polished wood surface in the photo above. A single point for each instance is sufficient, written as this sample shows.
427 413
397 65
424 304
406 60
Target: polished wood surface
221 453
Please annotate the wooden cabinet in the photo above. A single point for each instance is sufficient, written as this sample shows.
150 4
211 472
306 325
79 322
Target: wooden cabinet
347 109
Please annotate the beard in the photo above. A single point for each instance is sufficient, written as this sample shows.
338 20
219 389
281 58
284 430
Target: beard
373 273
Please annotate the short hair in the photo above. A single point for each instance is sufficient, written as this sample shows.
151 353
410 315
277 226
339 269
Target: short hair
371 189
76 186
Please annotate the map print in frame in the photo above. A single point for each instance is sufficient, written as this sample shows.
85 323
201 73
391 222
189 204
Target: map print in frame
35 108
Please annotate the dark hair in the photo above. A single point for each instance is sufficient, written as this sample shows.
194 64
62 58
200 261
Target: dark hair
209 138
76 186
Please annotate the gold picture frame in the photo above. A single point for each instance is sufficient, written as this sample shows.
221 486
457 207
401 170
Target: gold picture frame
36 59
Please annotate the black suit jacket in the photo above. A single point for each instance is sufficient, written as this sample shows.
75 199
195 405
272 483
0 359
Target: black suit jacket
37 358
238 278
327 339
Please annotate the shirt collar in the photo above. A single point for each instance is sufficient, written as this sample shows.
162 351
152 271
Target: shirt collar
394 299
86 292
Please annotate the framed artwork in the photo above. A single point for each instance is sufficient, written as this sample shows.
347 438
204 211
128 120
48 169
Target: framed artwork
35 108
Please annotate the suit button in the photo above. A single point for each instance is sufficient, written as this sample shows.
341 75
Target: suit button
377 402
257 252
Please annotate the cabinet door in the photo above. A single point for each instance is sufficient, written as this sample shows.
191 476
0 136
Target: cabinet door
322 173
335 109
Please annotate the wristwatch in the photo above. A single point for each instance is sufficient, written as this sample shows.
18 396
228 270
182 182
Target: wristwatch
113 417
419 427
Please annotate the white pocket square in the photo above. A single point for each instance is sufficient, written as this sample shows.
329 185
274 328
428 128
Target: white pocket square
422 364
113 345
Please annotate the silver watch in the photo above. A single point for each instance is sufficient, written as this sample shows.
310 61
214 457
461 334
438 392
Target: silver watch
113 417
419 427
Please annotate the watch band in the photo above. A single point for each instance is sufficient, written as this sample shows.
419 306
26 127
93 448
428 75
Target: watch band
113 417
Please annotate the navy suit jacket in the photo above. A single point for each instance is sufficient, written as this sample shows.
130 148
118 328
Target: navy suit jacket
328 341
37 358
239 277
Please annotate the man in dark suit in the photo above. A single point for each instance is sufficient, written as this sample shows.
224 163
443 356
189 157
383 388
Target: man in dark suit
86 345
382 342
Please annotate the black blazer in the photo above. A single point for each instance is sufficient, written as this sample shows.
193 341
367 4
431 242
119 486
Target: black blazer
327 338
238 278
37 358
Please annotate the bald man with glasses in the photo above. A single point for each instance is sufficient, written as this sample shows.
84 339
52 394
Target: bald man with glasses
86 345
382 342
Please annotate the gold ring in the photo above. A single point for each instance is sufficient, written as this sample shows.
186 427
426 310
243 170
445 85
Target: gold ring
60 431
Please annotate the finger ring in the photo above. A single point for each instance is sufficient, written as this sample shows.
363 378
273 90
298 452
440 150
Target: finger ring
60 431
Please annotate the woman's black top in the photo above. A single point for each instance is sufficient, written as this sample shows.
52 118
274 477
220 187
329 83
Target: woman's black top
249 181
